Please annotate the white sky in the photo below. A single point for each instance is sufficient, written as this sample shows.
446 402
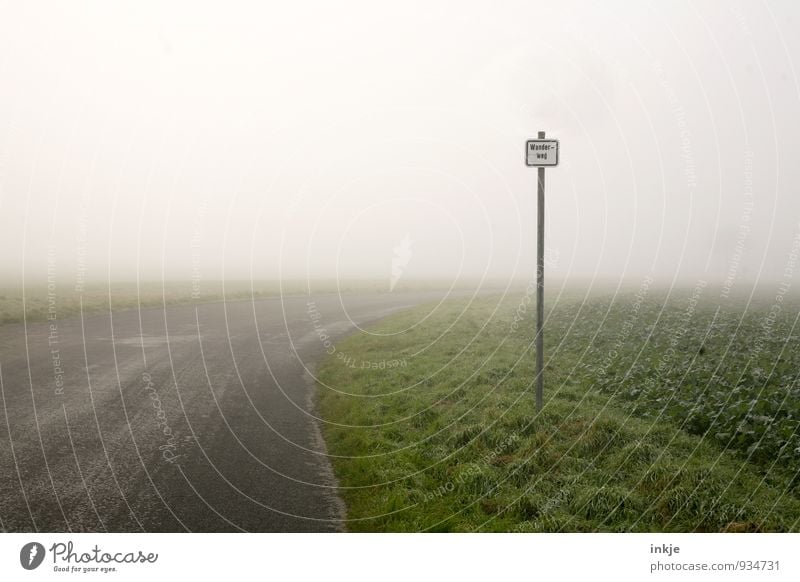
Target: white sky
309 138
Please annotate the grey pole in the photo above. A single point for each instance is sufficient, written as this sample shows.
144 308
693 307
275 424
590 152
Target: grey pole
540 293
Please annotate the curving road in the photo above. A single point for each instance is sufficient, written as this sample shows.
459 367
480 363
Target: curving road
193 417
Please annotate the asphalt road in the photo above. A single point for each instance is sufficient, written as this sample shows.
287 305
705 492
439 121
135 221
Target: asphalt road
193 417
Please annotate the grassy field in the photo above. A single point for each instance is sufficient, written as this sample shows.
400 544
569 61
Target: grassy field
661 414
36 300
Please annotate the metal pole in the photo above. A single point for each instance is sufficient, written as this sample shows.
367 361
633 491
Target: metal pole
540 293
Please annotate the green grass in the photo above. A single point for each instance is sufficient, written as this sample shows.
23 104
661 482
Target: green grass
434 428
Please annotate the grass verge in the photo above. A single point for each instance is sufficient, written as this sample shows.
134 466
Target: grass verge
434 428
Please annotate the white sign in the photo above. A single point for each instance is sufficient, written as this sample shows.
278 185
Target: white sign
541 152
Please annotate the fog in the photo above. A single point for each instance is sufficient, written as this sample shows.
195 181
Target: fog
348 139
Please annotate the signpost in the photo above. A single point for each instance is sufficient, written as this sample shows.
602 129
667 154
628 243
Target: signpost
540 153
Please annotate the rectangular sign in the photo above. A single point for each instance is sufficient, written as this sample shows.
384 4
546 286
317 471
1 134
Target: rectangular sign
541 152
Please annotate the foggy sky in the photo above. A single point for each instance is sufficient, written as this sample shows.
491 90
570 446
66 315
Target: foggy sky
310 139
